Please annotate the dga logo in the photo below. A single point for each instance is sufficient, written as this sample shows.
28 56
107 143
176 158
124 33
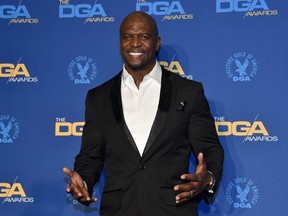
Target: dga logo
251 131
169 11
16 14
241 66
242 193
63 128
92 13
9 129
251 7
16 73
175 67
82 70
14 192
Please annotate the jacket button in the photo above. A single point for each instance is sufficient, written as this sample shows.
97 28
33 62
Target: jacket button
142 166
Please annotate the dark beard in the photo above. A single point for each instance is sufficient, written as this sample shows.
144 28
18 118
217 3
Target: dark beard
136 67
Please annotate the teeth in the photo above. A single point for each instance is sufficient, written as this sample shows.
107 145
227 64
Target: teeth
135 53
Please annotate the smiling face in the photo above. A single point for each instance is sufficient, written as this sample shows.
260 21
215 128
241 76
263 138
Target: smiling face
139 42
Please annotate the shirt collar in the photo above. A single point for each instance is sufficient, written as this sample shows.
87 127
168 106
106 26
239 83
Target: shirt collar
155 73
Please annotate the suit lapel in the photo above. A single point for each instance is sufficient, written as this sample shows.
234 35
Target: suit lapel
163 108
118 110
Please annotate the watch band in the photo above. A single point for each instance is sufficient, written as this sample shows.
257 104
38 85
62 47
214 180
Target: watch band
211 183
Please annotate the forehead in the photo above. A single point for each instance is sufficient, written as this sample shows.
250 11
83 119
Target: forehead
137 25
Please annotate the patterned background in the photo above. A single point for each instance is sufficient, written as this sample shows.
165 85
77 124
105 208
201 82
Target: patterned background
236 48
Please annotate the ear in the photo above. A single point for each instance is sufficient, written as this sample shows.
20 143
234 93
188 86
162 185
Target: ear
158 42
156 48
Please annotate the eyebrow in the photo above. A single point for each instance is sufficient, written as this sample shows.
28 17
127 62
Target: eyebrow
144 33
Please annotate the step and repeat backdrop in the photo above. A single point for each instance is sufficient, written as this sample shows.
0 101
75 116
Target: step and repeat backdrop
52 52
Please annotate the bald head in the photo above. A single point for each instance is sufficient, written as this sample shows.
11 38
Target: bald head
139 16
139 43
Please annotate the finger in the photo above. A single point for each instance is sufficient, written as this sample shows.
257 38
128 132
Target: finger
84 198
184 187
189 177
182 200
67 171
90 200
68 189
81 195
182 197
72 188
87 201
78 194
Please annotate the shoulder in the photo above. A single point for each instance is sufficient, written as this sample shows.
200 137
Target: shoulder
105 87
182 82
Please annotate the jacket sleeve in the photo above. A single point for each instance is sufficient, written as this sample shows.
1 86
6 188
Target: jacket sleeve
89 162
203 135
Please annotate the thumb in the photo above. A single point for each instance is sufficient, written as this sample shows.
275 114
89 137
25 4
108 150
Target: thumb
68 171
200 158
201 163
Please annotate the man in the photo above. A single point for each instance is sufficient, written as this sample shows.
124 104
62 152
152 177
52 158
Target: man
143 125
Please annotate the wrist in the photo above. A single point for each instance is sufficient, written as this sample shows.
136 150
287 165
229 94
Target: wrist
212 183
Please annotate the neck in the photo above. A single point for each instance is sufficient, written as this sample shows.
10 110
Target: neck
138 75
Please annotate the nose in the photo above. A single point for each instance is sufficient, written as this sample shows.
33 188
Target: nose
135 42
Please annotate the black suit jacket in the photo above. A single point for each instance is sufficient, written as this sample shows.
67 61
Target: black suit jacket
143 186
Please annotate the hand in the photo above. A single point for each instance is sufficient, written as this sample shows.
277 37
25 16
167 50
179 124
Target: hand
77 188
196 183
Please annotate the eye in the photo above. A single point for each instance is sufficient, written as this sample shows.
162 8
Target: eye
126 37
145 37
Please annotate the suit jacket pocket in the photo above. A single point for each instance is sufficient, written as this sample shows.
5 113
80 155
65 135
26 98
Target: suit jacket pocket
111 200
168 195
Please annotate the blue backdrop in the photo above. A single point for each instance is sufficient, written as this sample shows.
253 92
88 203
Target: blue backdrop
52 52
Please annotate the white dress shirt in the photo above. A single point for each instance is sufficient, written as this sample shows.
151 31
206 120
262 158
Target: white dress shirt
140 105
